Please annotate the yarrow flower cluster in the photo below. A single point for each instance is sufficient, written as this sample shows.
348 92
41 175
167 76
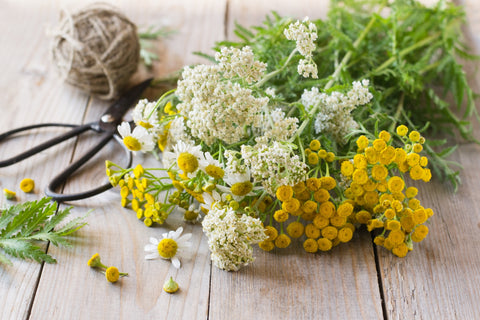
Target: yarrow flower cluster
257 166
234 62
230 237
215 109
334 110
274 165
304 33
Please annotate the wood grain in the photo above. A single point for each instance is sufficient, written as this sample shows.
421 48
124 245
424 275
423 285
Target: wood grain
439 279
29 94
293 284
115 232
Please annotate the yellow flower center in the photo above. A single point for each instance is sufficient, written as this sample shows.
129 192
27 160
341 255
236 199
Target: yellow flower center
214 171
187 162
132 143
146 125
167 248
242 188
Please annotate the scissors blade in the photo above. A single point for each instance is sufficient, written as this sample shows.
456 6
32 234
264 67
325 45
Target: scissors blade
113 116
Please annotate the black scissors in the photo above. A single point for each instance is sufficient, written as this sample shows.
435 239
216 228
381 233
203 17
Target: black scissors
106 126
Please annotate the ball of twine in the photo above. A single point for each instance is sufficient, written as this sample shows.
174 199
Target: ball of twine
96 49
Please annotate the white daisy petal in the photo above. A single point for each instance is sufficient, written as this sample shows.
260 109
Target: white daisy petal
154 241
151 256
150 247
185 237
176 262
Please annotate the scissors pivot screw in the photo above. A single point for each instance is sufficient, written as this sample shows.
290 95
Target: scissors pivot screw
107 118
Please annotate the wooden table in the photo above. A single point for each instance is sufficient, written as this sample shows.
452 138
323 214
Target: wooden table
440 279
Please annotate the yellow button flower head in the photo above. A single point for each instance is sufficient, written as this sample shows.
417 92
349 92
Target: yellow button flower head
327 209
280 215
345 234
324 244
27 185
266 245
363 216
384 135
346 168
321 195
345 209
311 231
315 145
328 183
310 245
295 229
419 233
170 247
414 136
362 142
417 172
400 250
329 232
402 130
312 159
379 172
320 222
282 241
396 184
271 233
284 193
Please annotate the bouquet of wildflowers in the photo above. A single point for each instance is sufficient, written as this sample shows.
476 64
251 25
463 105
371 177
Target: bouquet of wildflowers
303 131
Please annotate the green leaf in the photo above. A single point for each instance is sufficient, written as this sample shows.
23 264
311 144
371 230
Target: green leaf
22 225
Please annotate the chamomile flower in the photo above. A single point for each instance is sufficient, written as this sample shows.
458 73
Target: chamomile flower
210 200
169 247
192 214
137 140
188 158
239 185
213 168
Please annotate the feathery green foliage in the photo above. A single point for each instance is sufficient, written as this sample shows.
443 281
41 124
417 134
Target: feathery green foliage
22 225
410 55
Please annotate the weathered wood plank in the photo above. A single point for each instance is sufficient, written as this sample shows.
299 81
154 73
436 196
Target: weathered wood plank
440 278
114 232
30 94
292 284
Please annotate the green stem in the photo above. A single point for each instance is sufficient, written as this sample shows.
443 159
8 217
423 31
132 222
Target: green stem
274 73
419 44
398 112
356 44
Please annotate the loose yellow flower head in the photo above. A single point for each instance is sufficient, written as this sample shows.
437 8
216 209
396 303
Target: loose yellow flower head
95 262
27 185
112 274
187 162
170 286
402 130
9 194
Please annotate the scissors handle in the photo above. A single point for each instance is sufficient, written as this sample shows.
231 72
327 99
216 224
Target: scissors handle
61 178
77 129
